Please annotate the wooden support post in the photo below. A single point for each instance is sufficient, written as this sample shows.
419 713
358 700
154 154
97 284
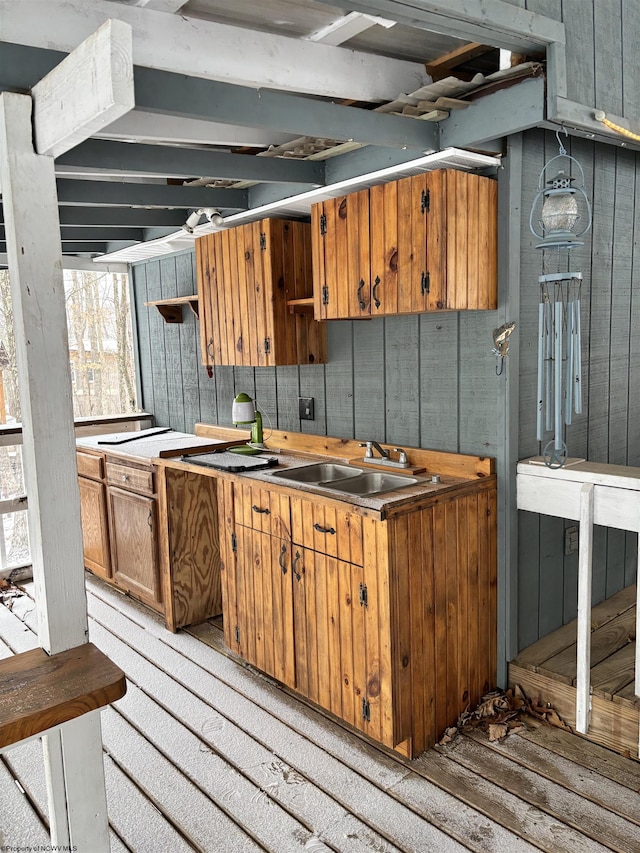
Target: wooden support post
585 559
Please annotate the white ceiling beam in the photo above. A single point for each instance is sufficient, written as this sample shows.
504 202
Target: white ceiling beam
214 51
92 87
348 27
142 126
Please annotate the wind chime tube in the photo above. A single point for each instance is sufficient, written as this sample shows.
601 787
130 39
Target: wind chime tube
548 366
558 376
568 384
577 358
541 346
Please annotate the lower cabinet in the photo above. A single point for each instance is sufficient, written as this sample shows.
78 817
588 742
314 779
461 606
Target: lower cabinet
398 639
95 526
134 546
153 532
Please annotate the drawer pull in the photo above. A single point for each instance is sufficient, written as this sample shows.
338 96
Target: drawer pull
261 511
281 559
125 477
322 529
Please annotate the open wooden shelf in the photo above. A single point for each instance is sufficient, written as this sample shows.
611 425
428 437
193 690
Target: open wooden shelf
301 306
171 309
39 691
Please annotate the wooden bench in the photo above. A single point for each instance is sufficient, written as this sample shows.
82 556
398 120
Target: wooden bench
39 691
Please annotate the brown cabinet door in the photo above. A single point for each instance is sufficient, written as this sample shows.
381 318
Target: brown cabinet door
340 647
325 528
262 508
341 263
264 613
134 551
95 526
207 308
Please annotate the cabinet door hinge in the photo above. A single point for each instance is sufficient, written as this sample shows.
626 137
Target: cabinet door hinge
263 242
323 224
234 543
366 709
325 295
237 634
425 283
425 201
267 345
364 595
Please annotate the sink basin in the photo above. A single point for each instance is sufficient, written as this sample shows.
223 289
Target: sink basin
373 483
346 479
320 473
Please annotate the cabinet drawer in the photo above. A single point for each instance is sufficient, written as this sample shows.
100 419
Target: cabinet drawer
127 477
262 509
331 531
89 466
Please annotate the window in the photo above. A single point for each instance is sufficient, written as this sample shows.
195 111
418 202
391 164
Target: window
102 377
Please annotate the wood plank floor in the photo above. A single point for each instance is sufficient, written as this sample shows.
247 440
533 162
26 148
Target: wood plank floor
205 754
548 669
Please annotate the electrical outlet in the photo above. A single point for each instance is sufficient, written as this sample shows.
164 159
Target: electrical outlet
306 408
571 540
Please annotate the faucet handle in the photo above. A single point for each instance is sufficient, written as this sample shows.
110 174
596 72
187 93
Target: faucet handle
369 451
402 455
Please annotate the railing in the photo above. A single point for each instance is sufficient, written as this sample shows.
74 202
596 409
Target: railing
15 561
591 493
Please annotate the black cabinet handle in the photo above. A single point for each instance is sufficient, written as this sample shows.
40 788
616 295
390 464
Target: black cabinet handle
322 529
294 564
281 559
262 511
361 301
210 348
374 292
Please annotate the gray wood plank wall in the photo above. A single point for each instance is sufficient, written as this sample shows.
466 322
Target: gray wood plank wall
601 43
416 380
609 429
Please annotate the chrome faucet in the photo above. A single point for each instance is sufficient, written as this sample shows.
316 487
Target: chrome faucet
369 451
385 455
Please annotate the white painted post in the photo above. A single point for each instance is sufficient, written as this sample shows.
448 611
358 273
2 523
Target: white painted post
32 228
585 560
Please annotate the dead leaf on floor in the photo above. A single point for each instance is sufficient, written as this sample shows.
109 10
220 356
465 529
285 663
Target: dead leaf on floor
498 730
500 713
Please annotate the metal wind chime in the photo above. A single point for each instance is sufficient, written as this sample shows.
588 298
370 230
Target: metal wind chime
559 224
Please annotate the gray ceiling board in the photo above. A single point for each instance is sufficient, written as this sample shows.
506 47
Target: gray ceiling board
106 193
114 217
165 161
498 114
192 97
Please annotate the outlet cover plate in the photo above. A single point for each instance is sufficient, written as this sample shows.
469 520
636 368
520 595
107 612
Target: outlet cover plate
306 408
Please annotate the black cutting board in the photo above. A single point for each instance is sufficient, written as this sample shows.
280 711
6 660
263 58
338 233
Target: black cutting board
230 461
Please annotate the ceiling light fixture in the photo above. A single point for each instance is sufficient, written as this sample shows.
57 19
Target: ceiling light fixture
213 215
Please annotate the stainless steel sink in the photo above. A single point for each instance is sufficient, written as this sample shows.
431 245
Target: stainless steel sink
346 479
374 483
320 473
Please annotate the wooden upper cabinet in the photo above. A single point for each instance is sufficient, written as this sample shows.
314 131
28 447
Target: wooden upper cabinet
424 243
247 276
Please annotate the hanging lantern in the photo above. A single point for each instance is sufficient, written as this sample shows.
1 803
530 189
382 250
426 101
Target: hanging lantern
559 221
562 214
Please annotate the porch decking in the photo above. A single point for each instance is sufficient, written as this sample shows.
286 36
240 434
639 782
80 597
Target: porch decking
205 754
548 669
